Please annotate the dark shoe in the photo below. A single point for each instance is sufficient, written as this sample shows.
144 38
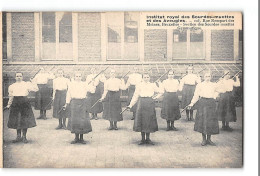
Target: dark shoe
174 129
59 127
229 129
142 142
192 119
168 129
115 128
148 141
204 142
64 127
18 139
25 140
110 128
211 143
133 118
74 141
82 141
96 118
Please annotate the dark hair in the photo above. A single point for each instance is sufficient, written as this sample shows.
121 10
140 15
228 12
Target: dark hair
145 73
18 72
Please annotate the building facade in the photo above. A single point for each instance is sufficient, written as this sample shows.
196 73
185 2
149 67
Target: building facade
79 40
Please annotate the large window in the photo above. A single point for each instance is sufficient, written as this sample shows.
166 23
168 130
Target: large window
122 30
188 44
57 36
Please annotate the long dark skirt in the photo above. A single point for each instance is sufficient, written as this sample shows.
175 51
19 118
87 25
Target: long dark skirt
131 92
206 121
187 95
93 98
59 102
112 107
43 97
170 106
21 115
79 119
226 109
145 120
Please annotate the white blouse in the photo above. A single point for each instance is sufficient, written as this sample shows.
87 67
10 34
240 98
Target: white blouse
145 90
227 85
189 79
205 90
134 79
20 89
170 85
78 90
113 84
42 78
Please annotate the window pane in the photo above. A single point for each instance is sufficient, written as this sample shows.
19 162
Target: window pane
48 27
179 36
179 50
115 28
196 44
65 28
131 27
131 35
48 34
114 34
196 36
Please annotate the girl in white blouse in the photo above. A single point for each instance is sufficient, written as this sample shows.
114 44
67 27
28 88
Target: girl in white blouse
94 97
145 120
206 121
170 105
60 87
79 122
133 79
187 86
43 96
21 116
111 99
226 109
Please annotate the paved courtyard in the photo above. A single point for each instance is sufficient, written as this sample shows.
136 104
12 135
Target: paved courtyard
48 147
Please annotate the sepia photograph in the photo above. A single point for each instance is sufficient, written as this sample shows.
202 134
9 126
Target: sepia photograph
125 89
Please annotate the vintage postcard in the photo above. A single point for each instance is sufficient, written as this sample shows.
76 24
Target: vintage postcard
122 89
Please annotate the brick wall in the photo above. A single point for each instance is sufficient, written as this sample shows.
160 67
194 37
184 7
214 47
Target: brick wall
222 45
23 37
155 45
89 32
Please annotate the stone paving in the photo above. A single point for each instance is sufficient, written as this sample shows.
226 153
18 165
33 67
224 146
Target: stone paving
51 148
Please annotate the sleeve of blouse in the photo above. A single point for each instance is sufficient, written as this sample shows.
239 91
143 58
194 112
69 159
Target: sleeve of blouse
123 86
10 94
162 87
135 96
181 84
198 80
159 89
196 95
236 83
68 95
105 89
32 86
